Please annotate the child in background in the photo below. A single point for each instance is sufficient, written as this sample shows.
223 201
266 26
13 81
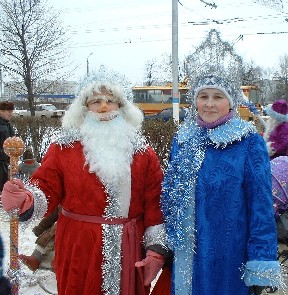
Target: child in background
43 254
28 165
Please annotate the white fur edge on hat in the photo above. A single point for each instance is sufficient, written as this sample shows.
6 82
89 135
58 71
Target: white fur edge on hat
75 115
214 87
277 116
88 93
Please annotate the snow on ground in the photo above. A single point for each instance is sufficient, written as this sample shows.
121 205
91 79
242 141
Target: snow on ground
41 282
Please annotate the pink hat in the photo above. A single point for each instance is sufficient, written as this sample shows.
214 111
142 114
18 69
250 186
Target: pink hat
279 110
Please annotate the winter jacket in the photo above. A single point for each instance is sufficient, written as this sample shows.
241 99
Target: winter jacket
6 130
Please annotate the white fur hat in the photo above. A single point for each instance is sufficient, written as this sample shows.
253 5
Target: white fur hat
114 84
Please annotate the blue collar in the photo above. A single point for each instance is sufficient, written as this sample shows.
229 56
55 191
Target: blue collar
222 135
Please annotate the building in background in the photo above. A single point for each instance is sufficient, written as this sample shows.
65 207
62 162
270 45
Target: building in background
47 91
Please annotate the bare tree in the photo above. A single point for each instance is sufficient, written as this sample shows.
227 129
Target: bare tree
252 74
268 87
149 72
33 45
281 78
158 71
165 68
214 55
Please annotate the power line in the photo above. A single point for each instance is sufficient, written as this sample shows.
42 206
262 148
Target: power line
131 41
282 18
238 19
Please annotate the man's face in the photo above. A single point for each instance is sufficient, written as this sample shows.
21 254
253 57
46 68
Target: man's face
103 103
6 114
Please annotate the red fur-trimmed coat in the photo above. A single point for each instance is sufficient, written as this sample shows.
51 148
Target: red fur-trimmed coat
65 180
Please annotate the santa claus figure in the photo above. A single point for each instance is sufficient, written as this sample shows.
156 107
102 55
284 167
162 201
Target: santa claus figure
276 132
110 238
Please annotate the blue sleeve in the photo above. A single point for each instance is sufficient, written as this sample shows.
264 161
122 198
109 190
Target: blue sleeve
262 268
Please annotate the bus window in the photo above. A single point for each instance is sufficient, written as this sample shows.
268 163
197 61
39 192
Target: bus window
140 96
184 98
158 96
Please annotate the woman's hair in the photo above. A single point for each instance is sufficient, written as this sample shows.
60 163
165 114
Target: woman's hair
6 106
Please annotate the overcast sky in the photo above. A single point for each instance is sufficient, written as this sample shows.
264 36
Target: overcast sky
125 34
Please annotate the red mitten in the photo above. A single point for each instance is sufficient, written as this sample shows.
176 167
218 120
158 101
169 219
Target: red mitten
14 195
152 265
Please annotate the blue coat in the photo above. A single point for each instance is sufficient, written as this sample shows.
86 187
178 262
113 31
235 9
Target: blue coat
234 240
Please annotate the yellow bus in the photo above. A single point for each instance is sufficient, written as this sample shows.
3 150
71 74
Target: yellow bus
153 99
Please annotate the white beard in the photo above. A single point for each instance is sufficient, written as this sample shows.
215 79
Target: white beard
108 149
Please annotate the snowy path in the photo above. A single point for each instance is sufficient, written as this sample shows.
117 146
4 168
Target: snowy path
42 281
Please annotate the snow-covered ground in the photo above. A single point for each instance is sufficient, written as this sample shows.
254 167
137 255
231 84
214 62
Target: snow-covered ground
43 281
38 283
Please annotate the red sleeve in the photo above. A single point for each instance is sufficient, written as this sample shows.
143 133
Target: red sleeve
152 190
48 177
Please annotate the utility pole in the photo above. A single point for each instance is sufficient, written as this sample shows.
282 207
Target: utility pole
1 84
175 91
87 62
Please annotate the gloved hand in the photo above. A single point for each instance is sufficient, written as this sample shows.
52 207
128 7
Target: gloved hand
5 286
256 290
14 195
152 265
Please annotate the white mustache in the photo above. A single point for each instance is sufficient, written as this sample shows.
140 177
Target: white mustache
106 116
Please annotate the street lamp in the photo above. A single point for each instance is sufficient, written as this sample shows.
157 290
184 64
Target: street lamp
88 63
175 91
1 85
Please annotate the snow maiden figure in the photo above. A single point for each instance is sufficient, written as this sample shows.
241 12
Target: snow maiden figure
217 199
110 237
276 132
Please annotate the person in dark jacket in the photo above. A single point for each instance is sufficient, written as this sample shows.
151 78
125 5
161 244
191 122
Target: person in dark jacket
6 130
5 286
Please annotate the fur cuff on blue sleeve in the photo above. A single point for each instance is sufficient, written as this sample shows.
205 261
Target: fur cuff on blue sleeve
262 273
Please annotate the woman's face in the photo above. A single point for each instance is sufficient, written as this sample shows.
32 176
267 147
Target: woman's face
212 104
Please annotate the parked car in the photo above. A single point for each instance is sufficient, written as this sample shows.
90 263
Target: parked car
167 114
44 110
